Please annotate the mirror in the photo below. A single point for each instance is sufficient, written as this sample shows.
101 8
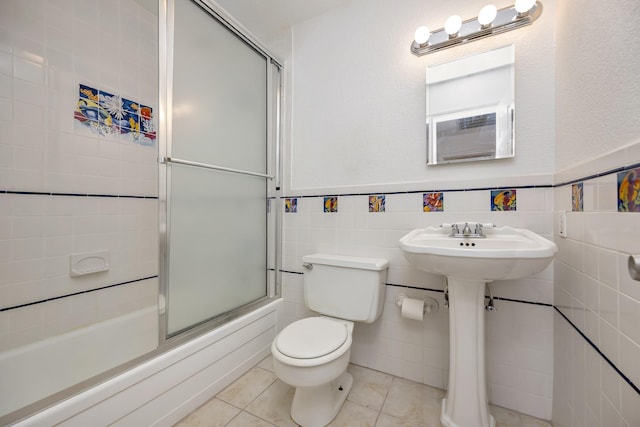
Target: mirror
470 108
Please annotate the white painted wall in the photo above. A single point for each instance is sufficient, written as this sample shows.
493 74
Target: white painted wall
359 97
597 85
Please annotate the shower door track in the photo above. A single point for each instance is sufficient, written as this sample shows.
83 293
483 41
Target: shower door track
167 160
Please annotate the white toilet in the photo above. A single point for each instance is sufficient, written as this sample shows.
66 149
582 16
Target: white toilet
312 354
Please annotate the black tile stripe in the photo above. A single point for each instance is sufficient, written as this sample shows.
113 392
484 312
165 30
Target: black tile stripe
76 293
43 193
595 347
544 304
601 174
515 187
604 356
452 190
446 190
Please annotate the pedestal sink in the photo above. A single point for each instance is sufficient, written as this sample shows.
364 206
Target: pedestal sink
469 259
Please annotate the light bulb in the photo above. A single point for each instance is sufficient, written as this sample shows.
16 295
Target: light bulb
487 14
422 35
452 25
524 6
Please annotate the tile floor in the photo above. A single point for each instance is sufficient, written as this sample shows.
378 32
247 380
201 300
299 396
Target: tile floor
260 399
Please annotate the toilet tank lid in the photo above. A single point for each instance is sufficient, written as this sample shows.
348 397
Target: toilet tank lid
347 261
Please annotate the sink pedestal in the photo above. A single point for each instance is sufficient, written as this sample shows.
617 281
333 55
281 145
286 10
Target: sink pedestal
466 403
469 262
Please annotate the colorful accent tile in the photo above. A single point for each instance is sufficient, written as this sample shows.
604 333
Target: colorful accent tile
291 205
131 106
503 200
629 191
577 197
88 93
105 113
377 203
331 204
432 202
130 122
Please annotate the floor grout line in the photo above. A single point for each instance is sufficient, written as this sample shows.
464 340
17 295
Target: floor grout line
369 377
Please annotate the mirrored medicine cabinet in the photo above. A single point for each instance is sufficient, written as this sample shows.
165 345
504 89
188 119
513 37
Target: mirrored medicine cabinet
470 108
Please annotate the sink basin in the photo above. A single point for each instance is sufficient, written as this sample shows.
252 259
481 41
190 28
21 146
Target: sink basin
470 260
505 253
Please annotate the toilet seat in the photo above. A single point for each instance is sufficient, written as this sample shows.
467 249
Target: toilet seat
311 338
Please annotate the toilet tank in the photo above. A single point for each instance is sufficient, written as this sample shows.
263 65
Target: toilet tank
345 287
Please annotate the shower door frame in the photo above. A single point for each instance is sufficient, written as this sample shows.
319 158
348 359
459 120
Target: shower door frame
275 84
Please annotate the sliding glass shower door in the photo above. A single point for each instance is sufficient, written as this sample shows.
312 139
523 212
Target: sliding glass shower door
217 169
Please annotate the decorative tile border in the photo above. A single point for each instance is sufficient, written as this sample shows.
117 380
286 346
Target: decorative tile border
577 197
291 205
331 204
377 203
501 199
629 191
433 202
504 200
108 114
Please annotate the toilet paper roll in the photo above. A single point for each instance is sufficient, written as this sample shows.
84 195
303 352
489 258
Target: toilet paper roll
413 309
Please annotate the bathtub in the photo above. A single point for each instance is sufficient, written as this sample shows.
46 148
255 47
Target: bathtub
48 366
157 392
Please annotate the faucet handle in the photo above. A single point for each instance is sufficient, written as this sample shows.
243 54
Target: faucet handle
455 229
478 229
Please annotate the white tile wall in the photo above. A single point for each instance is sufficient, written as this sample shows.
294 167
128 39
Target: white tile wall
41 65
519 335
587 390
46 50
594 290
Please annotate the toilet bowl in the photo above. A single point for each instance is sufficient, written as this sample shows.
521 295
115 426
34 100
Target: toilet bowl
312 354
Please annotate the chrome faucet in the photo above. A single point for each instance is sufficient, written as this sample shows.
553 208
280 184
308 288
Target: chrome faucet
454 230
478 231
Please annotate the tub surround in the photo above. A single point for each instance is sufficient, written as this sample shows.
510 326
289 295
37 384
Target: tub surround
65 189
168 387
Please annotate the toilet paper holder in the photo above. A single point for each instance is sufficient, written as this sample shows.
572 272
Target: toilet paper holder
430 304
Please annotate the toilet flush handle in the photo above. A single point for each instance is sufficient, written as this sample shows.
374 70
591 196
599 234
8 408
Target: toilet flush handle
308 266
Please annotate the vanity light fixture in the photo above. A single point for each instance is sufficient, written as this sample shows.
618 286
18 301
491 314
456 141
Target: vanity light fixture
487 15
422 35
452 26
490 21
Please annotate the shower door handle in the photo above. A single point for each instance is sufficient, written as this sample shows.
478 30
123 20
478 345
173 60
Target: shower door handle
167 160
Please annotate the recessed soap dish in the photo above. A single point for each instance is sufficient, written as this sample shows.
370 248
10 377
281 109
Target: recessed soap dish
89 263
